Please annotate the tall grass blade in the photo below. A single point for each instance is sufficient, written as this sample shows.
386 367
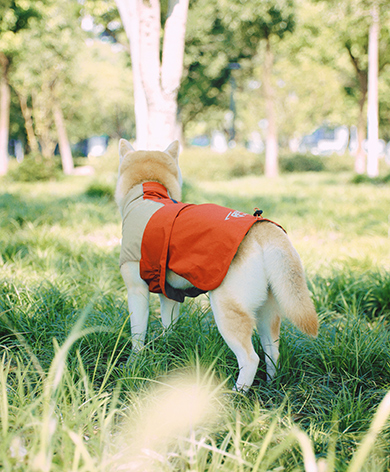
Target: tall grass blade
4 369
81 450
43 459
266 442
309 459
113 361
381 416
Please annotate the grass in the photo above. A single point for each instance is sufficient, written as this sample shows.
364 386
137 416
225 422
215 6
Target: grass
73 398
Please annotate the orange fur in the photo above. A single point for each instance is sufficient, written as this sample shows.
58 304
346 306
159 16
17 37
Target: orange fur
238 322
275 328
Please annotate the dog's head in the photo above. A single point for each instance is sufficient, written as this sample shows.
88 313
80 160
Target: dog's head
137 167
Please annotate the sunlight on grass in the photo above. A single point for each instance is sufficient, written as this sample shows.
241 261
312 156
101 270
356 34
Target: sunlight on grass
72 397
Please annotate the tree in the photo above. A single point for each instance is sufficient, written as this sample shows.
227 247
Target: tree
216 38
228 32
350 22
103 93
307 87
372 109
266 22
42 91
14 18
156 83
209 50
5 103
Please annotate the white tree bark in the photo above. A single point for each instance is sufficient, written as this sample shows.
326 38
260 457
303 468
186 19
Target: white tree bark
372 110
129 12
156 105
271 145
360 158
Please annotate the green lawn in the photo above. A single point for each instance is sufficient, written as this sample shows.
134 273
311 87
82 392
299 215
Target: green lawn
72 398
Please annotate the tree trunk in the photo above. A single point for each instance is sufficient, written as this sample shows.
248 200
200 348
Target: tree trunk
43 119
271 150
360 158
372 109
128 10
28 123
172 63
63 141
5 104
160 81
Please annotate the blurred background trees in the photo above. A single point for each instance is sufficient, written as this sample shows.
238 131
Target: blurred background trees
14 18
262 75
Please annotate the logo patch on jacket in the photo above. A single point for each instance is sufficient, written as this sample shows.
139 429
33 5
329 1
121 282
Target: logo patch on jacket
235 214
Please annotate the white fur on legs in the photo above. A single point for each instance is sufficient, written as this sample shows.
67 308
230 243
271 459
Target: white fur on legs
234 304
138 299
268 326
169 311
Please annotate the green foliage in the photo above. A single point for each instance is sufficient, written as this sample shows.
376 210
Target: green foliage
35 167
100 189
302 163
364 179
361 178
15 16
205 164
91 83
350 36
104 93
220 34
309 163
210 48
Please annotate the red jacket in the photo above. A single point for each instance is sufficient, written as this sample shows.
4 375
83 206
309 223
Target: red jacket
197 242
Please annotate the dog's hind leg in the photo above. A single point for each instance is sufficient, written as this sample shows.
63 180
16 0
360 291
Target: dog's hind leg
138 300
169 311
234 304
268 326
236 327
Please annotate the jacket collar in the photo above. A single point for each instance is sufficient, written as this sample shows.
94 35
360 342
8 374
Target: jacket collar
154 190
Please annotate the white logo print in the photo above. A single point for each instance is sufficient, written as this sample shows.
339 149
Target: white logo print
235 214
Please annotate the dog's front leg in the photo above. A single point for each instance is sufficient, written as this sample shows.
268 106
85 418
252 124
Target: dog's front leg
169 311
138 300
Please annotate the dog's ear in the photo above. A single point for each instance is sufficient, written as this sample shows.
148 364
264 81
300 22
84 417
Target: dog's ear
124 148
173 150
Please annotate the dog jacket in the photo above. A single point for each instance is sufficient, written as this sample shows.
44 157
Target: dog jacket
197 242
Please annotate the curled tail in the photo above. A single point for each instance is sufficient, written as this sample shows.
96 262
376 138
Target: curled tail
287 281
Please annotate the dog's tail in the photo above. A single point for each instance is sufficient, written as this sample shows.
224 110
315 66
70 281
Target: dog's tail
287 281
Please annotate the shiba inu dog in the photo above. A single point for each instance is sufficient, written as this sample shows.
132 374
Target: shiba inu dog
248 265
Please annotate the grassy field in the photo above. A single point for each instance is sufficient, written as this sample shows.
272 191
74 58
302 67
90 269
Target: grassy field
71 396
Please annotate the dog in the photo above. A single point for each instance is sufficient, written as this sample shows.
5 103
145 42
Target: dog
257 278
